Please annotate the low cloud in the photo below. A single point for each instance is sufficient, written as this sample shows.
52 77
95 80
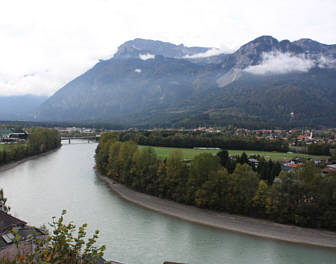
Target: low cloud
146 56
325 62
282 63
41 79
208 53
39 83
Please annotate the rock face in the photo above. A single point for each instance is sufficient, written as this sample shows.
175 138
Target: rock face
154 83
135 48
315 47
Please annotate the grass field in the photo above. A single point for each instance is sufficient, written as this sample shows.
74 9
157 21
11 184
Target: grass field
163 152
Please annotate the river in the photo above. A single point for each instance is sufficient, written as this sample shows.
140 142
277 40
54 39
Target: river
65 179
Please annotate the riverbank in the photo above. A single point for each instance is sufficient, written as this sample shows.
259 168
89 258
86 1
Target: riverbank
16 163
225 221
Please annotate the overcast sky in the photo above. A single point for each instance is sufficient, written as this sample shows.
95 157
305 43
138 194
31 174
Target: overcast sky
45 44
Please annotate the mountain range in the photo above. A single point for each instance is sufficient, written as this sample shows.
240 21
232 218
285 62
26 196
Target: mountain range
158 84
20 107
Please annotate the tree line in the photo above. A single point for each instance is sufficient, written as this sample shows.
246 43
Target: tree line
189 139
302 197
318 149
39 140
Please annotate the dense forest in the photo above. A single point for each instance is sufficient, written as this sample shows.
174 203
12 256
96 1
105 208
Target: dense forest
190 139
39 140
302 197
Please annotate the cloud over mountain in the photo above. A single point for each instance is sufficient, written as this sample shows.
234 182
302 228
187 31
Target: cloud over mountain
281 63
146 56
326 62
208 53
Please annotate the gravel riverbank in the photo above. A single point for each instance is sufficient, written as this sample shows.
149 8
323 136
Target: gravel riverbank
225 221
16 163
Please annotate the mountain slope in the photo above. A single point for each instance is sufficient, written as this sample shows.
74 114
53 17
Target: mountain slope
152 83
311 96
137 47
19 107
118 87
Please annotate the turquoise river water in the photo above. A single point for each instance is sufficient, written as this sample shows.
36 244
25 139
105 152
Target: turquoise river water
65 179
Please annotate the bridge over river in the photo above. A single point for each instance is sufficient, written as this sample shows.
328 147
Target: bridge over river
88 138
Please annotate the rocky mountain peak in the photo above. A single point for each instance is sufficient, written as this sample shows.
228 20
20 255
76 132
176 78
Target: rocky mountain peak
252 52
133 48
265 40
311 46
316 49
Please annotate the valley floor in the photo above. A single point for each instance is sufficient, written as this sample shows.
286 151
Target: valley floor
225 221
190 153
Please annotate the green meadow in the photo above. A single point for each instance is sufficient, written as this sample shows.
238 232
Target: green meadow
163 152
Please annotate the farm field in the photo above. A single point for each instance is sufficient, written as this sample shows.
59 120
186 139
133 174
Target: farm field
163 152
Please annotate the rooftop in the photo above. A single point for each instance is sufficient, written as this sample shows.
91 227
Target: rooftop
7 222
